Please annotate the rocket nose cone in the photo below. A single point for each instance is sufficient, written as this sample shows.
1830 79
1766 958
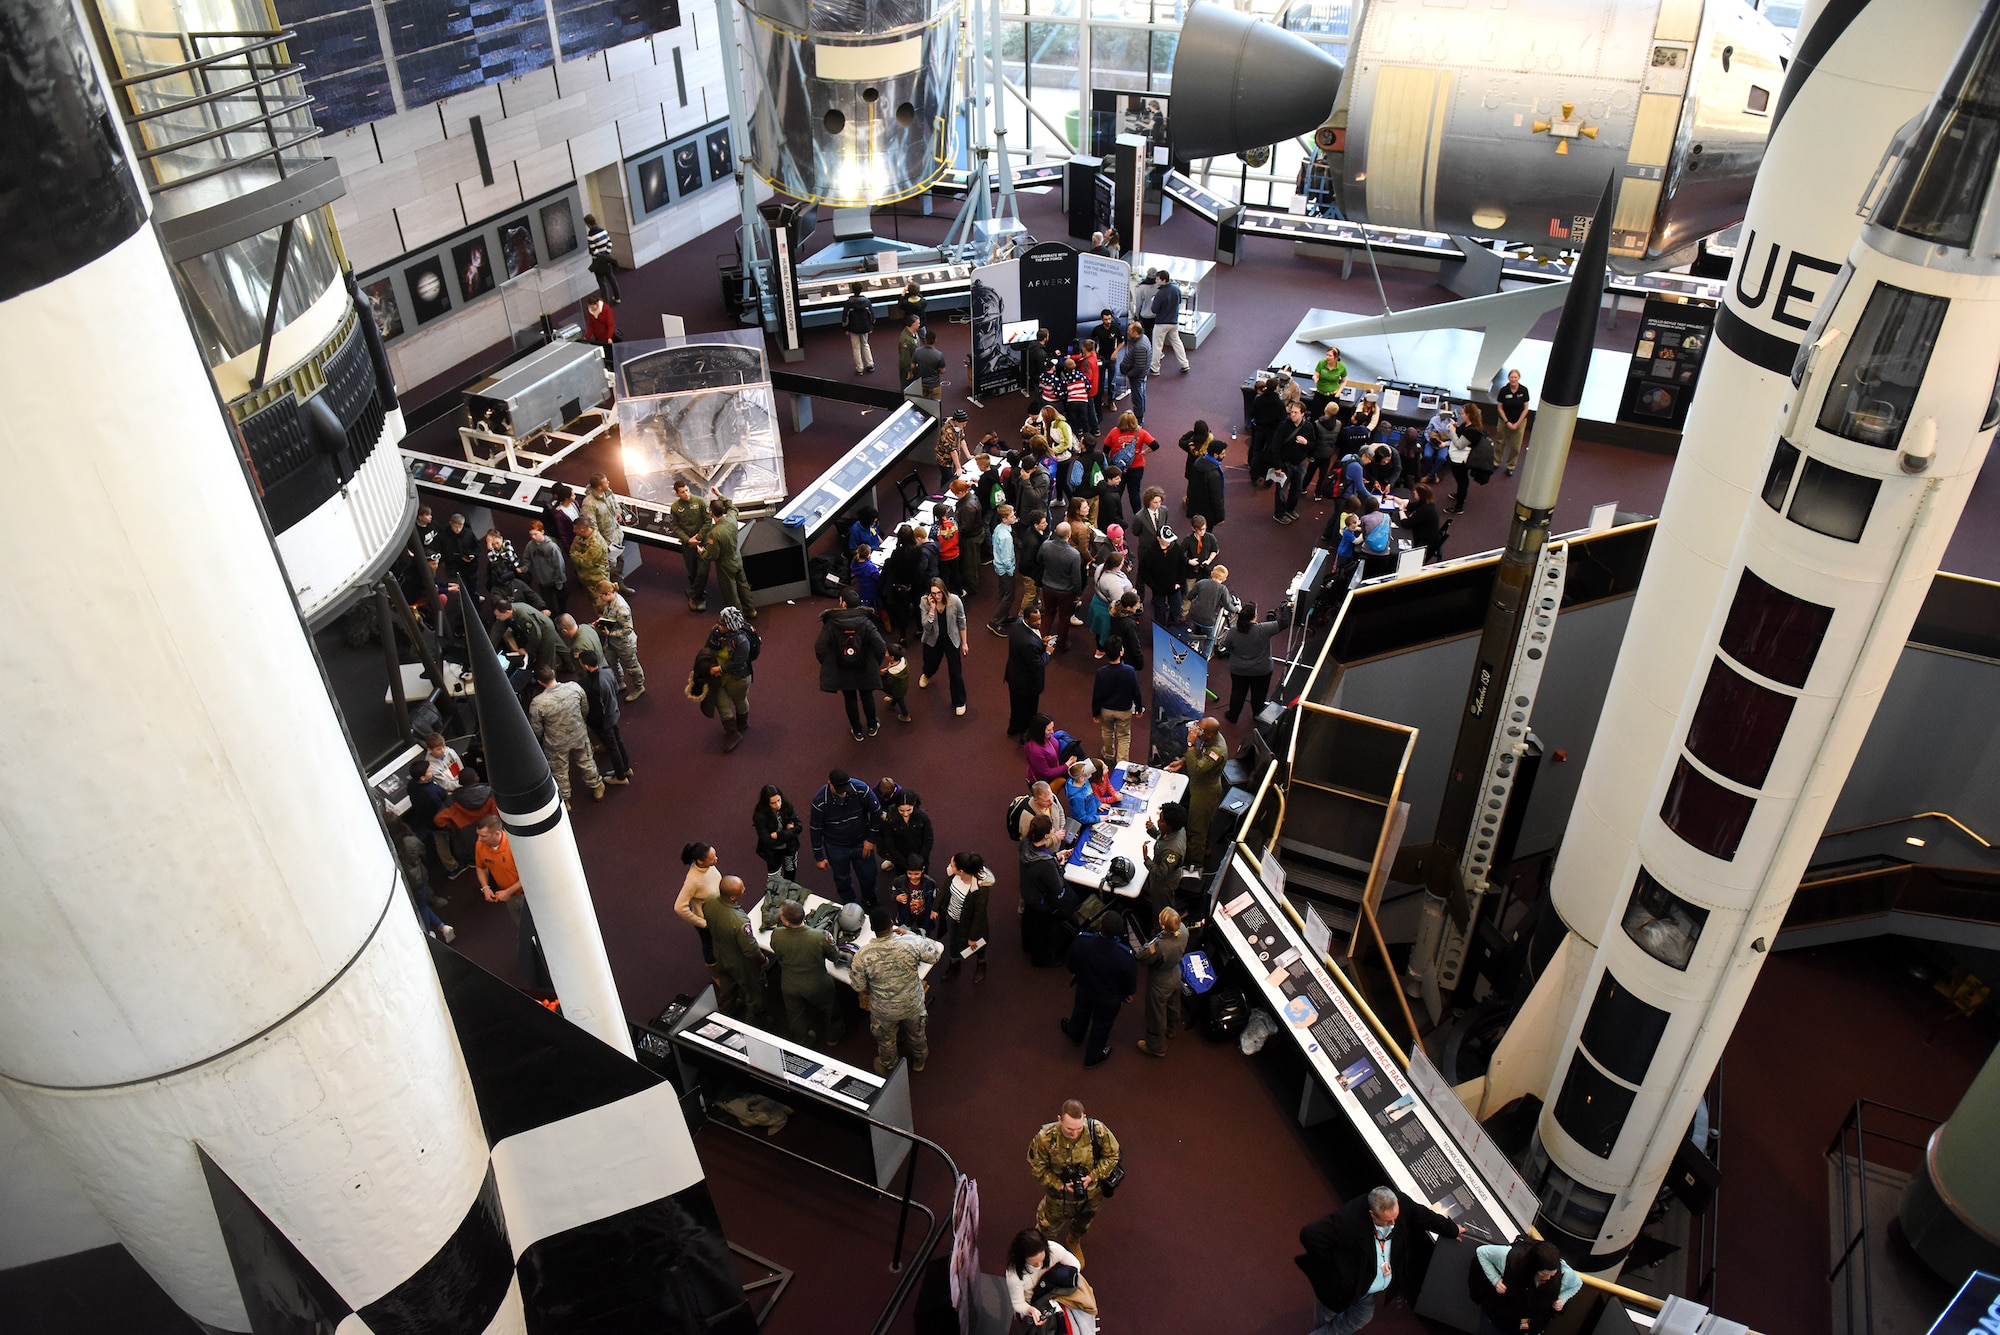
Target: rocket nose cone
1241 83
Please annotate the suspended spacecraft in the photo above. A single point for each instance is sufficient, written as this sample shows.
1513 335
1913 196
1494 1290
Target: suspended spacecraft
849 101
1504 122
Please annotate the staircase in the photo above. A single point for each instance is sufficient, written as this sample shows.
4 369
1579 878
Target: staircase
1878 896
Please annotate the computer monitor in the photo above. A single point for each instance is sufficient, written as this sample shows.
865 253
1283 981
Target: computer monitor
1020 331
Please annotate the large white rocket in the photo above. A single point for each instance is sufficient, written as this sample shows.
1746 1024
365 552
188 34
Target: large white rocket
1806 557
216 1005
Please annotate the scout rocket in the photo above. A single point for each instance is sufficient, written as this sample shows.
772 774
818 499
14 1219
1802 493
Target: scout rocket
1887 415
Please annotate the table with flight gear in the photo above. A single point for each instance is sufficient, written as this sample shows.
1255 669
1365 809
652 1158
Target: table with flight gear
1142 791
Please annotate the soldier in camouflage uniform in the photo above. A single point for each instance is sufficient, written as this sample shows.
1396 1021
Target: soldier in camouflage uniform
739 961
690 520
885 973
557 715
589 555
1071 1157
600 507
614 623
724 552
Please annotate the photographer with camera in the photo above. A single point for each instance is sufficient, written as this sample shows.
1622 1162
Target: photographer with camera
1076 1159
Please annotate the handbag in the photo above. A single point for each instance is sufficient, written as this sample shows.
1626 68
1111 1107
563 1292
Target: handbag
1058 1281
1114 1179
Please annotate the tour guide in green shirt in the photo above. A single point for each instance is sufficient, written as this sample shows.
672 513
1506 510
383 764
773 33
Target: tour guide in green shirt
1329 375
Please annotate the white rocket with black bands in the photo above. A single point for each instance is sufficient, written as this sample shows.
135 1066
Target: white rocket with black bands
544 844
218 1012
1888 415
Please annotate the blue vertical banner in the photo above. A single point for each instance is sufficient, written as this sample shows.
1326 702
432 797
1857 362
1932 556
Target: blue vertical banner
1180 693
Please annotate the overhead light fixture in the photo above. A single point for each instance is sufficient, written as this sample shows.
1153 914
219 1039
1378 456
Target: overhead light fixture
1914 842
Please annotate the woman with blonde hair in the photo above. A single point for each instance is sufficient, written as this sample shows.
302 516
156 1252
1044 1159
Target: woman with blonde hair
1161 959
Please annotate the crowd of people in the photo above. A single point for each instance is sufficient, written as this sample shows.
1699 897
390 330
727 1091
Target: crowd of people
1072 522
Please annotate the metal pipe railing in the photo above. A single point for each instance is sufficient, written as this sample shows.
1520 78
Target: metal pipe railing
1854 1222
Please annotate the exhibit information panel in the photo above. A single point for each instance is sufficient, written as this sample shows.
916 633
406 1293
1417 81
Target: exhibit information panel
1666 362
1393 1119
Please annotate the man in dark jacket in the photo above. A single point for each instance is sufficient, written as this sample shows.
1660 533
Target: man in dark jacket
857 317
1267 414
1105 976
1125 632
1041 891
1293 444
1034 361
850 649
1373 1247
1204 488
1197 552
1027 670
600 693
845 821
1161 569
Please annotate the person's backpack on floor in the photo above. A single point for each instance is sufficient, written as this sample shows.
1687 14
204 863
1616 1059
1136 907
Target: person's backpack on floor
1015 809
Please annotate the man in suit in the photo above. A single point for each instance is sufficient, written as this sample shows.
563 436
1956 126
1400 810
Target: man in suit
1106 974
1027 670
1371 1248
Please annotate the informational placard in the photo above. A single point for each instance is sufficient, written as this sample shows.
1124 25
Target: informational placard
996 303
1666 362
1048 287
1976 1309
1465 1131
1397 1122
1180 694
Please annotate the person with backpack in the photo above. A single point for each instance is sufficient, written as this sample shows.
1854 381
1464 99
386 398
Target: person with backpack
1084 476
730 649
850 650
857 317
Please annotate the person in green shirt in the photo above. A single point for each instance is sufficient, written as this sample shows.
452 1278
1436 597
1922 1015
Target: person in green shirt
1328 377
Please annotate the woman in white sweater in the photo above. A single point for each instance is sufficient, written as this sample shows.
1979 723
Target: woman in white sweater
1030 1256
703 883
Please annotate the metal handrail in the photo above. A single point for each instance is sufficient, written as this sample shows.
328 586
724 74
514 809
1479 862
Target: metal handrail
910 1274
271 39
217 95
1944 816
236 59
1857 1238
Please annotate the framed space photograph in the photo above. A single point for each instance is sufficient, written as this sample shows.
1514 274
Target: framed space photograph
721 159
473 266
517 247
688 176
558 228
382 304
653 194
428 297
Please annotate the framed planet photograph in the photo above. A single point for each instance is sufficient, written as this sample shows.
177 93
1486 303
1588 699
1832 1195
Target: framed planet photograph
428 297
558 229
517 247
652 174
382 304
473 267
721 158
687 169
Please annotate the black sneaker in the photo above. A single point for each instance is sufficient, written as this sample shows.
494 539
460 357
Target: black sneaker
860 736
874 728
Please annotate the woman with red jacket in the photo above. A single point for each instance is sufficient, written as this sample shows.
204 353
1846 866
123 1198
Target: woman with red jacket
1125 446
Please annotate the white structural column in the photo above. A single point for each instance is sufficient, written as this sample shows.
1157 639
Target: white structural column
1863 473
1856 77
203 937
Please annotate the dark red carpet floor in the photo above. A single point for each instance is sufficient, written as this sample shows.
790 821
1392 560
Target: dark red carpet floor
1222 1177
